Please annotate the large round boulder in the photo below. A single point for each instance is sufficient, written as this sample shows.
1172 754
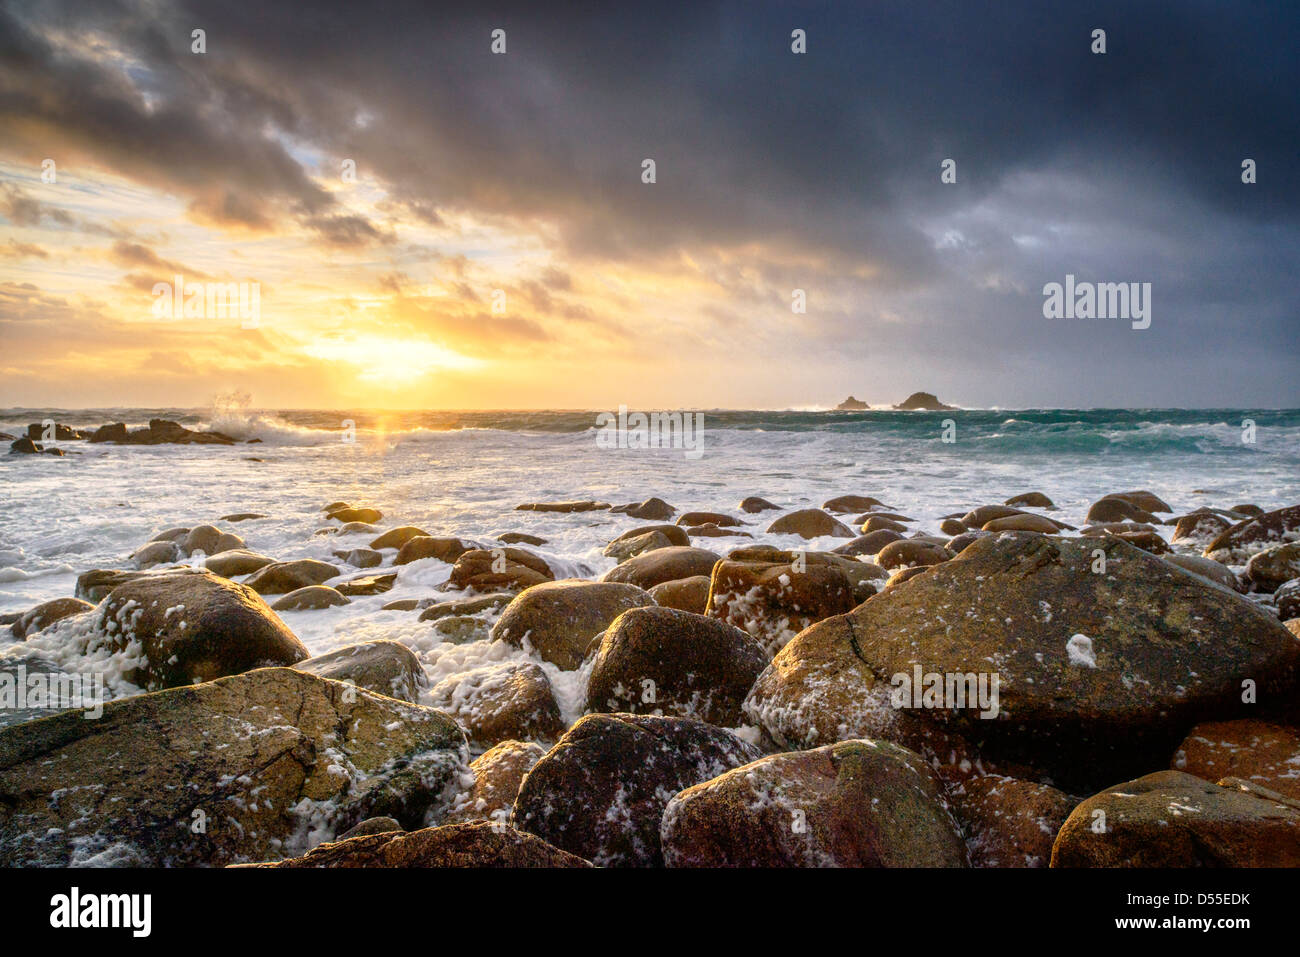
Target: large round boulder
310 598
430 546
209 540
193 627
1101 657
236 561
280 578
560 620
774 601
1172 819
849 804
498 569
1262 752
687 594
810 523
600 792
397 537
499 702
665 661
663 565
382 666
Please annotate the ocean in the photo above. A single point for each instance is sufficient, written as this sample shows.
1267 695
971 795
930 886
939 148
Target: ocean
463 473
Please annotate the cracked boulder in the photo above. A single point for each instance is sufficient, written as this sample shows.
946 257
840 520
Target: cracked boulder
253 767
1100 670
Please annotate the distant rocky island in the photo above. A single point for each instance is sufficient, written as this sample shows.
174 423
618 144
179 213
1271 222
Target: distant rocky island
923 401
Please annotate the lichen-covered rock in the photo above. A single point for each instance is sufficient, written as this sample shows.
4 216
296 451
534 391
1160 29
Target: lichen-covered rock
663 565
476 845
774 601
560 620
270 762
601 791
849 804
188 627
1172 819
382 666
1009 822
665 661
497 773
1261 752
494 703
280 578
1099 672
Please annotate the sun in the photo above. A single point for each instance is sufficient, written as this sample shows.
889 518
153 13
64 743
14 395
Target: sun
387 359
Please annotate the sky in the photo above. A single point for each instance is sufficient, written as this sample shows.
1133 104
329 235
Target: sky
499 247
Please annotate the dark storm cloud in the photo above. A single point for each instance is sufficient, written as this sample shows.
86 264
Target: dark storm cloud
1117 167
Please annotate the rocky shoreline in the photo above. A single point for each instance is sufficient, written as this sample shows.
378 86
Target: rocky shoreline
158 432
1126 694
